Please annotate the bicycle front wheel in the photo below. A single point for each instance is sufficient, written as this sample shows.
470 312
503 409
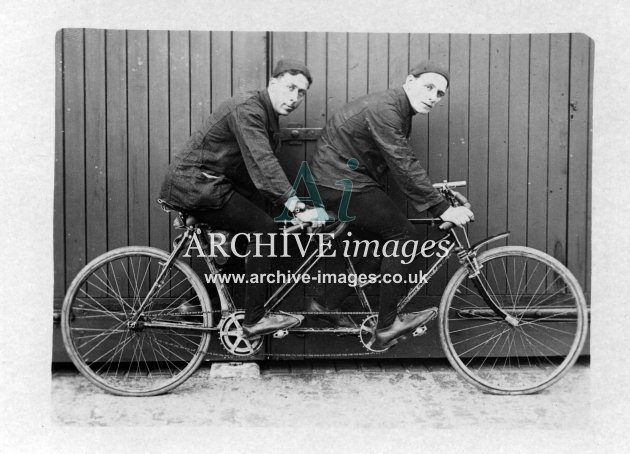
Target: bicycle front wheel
157 353
550 309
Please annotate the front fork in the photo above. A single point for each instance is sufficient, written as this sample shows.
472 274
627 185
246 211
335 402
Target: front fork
468 258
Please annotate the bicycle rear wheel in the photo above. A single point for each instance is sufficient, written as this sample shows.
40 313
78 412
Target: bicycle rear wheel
539 292
139 360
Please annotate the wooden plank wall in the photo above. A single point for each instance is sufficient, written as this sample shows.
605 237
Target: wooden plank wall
516 124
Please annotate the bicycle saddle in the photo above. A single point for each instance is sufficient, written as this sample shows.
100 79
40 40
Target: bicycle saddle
183 219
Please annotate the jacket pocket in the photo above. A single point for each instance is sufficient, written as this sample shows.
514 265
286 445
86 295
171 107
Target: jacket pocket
197 190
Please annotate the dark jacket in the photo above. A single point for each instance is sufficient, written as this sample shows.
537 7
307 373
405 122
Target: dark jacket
234 150
374 130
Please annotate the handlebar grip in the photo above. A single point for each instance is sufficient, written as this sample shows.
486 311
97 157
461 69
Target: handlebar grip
461 199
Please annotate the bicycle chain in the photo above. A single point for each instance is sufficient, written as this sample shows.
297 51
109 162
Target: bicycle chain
277 355
283 355
218 311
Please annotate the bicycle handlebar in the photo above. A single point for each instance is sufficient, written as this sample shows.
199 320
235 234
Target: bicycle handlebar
449 184
445 187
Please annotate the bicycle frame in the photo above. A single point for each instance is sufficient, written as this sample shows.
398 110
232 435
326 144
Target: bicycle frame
466 255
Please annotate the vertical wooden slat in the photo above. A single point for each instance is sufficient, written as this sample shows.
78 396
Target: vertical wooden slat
438 140
518 139
95 147
138 92
59 215
398 59
538 124
578 157
398 68
458 108
558 146
315 105
377 62
200 78
498 135
438 118
418 51
249 61
74 149
357 65
221 67
159 143
117 189
179 89
478 135
336 77
95 143
538 144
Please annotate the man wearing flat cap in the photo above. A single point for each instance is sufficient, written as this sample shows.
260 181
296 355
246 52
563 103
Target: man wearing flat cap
361 142
224 163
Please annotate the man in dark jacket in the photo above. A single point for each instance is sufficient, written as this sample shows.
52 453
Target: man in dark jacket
360 143
215 174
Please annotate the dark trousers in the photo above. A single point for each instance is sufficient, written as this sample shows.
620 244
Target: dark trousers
239 214
376 219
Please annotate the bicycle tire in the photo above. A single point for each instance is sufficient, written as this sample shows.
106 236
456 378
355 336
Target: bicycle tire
144 361
504 359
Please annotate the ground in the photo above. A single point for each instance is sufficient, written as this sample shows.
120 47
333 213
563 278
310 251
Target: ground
319 394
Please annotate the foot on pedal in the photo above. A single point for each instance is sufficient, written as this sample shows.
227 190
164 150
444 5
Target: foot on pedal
403 325
272 323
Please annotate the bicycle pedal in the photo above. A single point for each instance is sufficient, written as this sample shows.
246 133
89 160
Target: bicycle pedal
419 331
280 334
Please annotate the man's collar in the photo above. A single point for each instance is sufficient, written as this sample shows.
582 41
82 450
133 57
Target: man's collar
267 102
272 114
406 103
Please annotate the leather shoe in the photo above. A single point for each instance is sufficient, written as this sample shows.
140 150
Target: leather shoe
337 320
403 325
272 323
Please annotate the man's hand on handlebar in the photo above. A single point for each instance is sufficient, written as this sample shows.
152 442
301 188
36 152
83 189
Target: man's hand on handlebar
458 215
317 217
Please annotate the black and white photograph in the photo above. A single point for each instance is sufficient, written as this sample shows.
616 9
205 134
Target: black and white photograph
320 236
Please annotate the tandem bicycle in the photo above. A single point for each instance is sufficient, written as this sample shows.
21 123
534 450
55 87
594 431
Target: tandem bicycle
138 321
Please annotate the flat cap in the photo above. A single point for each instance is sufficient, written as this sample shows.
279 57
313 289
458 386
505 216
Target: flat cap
428 66
287 64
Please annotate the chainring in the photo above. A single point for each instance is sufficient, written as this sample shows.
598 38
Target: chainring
366 335
232 337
